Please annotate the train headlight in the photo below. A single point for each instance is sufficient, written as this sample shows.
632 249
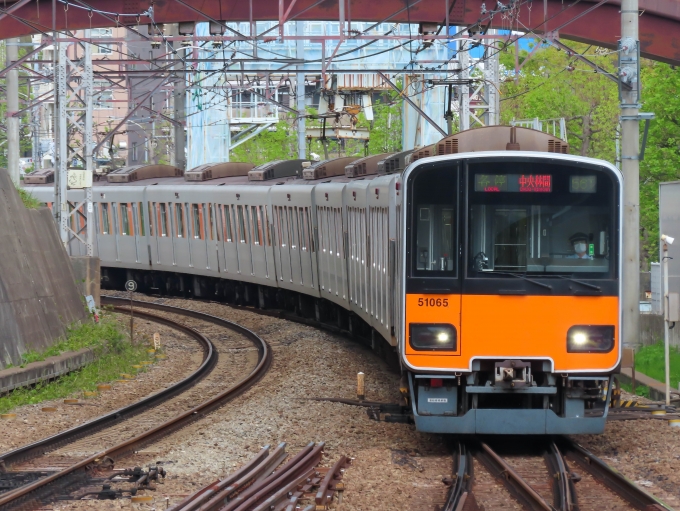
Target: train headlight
431 337
590 339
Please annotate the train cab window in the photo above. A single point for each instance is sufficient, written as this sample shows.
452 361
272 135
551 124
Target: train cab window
105 223
538 219
434 222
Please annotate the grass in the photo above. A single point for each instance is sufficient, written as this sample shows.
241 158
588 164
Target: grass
650 361
27 198
115 355
640 390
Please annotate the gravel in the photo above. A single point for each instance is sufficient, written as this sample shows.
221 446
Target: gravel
184 355
394 466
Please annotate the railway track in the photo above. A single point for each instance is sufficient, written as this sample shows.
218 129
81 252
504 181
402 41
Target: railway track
543 475
66 460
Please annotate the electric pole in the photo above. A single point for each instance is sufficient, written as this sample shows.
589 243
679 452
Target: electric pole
630 167
300 91
13 149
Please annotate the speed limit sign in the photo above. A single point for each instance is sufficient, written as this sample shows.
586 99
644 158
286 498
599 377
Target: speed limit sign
131 286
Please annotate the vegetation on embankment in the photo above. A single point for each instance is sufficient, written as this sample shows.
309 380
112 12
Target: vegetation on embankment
115 354
27 198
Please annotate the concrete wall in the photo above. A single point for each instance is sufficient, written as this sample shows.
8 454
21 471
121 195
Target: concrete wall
38 292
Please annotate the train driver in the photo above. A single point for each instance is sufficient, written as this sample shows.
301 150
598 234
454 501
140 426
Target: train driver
579 241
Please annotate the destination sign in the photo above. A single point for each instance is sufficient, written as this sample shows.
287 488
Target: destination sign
537 183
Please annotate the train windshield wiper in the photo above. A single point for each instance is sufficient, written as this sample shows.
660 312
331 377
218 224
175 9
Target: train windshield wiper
585 284
523 278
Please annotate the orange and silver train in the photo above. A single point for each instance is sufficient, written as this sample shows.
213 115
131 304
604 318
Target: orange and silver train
485 266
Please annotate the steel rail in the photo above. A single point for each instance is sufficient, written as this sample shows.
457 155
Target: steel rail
611 478
70 435
563 486
517 486
33 495
462 483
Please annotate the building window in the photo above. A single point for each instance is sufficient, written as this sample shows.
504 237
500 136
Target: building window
134 152
101 48
103 95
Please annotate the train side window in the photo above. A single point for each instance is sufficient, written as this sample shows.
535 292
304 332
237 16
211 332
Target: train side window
339 233
265 226
241 224
196 221
123 214
139 213
257 222
106 225
152 232
163 213
209 220
179 221
292 225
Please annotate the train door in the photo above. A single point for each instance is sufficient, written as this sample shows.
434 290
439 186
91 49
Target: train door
180 238
283 240
258 246
199 236
211 238
125 232
164 242
293 217
106 241
242 219
330 248
226 239
380 295
359 248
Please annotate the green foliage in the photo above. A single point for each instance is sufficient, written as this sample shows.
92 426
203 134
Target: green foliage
640 390
547 89
115 355
589 103
650 361
27 198
661 95
387 125
268 146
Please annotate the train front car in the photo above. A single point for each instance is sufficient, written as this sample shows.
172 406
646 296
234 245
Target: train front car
512 295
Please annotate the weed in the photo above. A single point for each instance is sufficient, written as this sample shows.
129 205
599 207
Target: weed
115 354
27 198
650 361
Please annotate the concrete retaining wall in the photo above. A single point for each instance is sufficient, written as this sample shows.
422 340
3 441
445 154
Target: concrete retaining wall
38 292
651 330
48 369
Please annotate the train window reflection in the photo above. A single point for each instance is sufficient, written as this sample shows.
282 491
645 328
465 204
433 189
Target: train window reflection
554 233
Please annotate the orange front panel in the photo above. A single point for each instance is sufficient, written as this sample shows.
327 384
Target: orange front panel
433 309
494 326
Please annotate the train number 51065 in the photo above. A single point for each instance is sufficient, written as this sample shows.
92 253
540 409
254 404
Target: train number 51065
433 302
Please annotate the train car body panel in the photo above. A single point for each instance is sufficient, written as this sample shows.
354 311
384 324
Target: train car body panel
292 217
355 200
331 229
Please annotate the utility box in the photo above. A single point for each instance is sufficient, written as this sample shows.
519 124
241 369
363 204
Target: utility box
673 310
438 400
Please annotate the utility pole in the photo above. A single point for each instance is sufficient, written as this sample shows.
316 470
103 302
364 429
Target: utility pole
300 92
13 149
179 107
630 167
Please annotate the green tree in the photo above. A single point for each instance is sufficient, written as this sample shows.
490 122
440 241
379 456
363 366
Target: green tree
661 95
554 84
279 144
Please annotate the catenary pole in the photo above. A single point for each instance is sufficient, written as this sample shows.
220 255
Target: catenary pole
12 107
630 167
300 92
